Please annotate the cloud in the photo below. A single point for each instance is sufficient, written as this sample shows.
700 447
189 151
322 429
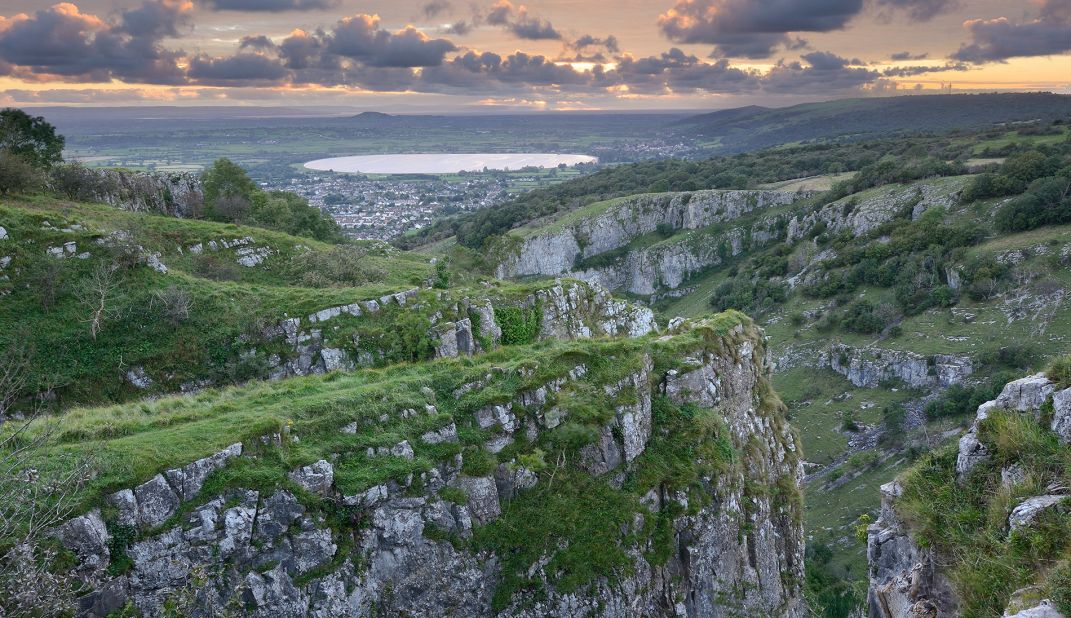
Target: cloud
921 70
920 10
361 38
157 19
459 28
524 25
824 73
906 55
434 8
270 6
996 40
743 28
63 42
242 69
499 13
259 42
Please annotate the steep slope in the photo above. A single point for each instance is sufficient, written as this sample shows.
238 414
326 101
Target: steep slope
622 477
983 528
895 304
189 304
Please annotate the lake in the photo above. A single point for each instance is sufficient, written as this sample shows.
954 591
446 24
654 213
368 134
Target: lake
441 163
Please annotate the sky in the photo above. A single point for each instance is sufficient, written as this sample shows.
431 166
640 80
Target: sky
542 55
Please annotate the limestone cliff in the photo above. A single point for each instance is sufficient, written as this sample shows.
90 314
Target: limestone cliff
998 490
606 227
685 472
167 193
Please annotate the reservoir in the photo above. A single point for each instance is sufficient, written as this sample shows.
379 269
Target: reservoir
443 163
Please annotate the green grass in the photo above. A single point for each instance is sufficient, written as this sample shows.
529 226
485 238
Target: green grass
573 520
966 522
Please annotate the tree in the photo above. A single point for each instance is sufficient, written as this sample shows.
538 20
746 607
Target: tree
33 501
17 175
30 137
97 294
226 180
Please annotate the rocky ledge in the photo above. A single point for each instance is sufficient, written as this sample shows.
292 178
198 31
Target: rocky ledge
732 546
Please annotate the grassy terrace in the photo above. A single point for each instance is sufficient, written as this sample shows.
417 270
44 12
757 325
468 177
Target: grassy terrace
574 520
130 442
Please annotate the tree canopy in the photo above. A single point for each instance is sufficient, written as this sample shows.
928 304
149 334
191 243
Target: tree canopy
30 137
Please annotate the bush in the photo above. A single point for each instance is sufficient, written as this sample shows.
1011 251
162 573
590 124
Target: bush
77 182
519 325
342 266
1059 371
1046 202
959 400
860 318
17 175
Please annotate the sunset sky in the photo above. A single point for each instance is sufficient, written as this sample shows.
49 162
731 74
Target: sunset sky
550 54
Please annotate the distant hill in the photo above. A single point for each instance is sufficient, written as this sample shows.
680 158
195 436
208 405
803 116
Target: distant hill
374 116
749 128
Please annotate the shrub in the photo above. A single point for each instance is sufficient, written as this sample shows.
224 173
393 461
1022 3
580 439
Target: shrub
1059 371
1046 202
77 182
17 175
343 265
520 325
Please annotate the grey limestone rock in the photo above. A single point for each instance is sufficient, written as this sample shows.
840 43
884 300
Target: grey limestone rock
156 500
316 477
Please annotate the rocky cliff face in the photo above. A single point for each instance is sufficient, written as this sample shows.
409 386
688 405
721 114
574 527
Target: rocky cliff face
719 225
869 367
908 579
730 544
556 251
905 581
460 327
860 216
168 193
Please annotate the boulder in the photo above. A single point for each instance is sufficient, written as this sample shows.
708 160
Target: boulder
1061 415
189 479
443 434
1029 510
1025 394
1044 609
315 478
156 500
482 497
88 537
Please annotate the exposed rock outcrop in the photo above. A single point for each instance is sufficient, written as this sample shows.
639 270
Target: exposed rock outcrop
904 579
567 310
860 216
166 193
555 252
737 552
1027 394
869 367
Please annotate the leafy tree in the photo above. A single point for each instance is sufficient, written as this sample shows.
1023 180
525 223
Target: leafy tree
224 184
231 195
291 213
30 137
17 174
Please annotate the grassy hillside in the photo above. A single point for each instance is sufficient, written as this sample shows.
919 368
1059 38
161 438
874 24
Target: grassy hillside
751 128
980 271
185 324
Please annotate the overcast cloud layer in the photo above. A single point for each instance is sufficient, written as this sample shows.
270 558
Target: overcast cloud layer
505 49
